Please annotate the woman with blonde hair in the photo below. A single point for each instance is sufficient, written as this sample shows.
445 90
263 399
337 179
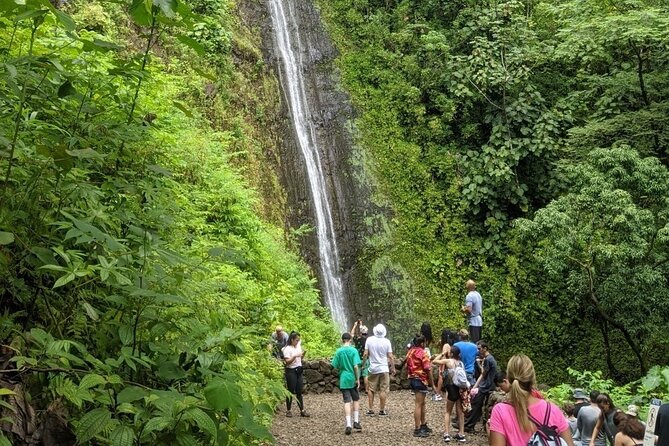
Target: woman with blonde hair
514 422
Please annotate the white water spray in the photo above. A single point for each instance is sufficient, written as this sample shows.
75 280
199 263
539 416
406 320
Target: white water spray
289 45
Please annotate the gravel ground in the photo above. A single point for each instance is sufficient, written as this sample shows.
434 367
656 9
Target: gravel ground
326 425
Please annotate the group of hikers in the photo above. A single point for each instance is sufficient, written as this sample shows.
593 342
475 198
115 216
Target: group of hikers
508 404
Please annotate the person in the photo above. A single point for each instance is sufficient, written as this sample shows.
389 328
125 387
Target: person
497 396
278 340
630 430
510 424
569 409
426 332
587 420
447 339
473 309
420 377
662 425
380 353
605 420
450 360
468 353
580 400
485 385
347 361
292 358
633 411
359 333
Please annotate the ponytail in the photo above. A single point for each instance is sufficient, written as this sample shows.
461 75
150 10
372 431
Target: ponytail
520 372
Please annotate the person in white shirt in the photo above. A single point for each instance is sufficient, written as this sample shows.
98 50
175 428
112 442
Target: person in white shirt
380 353
292 358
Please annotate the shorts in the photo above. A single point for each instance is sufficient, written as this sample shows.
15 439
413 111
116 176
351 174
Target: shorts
452 392
417 385
379 382
350 395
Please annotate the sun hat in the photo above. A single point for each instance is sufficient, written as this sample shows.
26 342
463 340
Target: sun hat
364 329
379 331
632 410
579 394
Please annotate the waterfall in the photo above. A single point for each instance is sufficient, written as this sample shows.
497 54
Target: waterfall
287 42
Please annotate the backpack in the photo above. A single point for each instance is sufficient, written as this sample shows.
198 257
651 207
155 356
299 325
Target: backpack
460 376
545 435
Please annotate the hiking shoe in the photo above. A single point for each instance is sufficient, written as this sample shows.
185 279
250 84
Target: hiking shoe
370 413
447 438
420 433
357 426
289 413
460 438
304 414
348 430
425 428
383 412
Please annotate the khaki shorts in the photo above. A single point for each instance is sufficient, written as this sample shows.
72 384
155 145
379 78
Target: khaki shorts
379 382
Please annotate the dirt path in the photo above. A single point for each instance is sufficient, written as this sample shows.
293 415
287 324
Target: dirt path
326 425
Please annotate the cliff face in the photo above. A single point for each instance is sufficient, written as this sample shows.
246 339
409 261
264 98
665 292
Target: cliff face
331 115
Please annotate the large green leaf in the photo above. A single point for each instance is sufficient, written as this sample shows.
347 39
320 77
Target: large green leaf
202 420
140 13
221 395
6 238
92 423
122 436
168 7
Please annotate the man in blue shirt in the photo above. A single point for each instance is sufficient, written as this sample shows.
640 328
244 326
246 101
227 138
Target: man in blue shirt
473 309
468 353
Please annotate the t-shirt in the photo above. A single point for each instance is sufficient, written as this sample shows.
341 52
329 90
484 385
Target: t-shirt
585 423
345 360
418 364
487 383
475 301
504 421
468 352
289 351
377 349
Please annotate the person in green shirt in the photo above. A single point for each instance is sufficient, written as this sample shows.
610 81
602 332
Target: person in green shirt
347 361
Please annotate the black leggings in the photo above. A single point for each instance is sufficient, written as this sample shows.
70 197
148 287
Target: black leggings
294 383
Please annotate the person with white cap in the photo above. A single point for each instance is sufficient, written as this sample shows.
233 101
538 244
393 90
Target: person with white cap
380 353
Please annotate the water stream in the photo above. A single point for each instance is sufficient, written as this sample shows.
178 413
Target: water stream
291 52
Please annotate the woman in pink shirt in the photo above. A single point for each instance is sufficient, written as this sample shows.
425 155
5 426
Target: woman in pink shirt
510 423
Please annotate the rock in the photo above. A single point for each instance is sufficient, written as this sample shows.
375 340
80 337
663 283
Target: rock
312 376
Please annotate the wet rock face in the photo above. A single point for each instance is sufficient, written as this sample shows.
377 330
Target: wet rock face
331 114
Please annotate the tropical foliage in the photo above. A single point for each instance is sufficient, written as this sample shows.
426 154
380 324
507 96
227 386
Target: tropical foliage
138 283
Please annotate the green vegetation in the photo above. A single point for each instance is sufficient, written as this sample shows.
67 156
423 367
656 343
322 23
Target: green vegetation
138 283
523 144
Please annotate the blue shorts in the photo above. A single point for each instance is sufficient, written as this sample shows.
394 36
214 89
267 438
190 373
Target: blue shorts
417 385
350 395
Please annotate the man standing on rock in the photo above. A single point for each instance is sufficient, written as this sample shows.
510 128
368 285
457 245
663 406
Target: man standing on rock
347 361
473 309
380 353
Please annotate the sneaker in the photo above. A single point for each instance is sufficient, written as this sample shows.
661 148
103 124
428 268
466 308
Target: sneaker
436 397
420 433
425 428
357 426
447 438
383 412
348 430
289 413
304 414
460 438
370 413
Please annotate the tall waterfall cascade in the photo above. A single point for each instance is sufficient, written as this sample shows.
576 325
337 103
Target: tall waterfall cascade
289 46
